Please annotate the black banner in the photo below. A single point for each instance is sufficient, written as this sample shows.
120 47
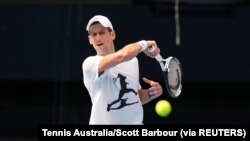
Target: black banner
176 131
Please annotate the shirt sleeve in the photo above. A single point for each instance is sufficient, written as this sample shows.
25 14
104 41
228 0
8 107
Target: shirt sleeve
90 70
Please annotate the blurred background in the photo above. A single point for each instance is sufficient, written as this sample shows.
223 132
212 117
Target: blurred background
43 45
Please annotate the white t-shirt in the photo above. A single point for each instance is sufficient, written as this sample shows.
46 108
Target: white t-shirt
114 94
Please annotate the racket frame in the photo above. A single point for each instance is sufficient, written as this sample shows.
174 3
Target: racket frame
165 70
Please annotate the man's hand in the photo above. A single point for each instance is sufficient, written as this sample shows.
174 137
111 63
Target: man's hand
154 52
155 90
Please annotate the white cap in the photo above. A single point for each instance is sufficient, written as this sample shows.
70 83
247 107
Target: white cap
104 21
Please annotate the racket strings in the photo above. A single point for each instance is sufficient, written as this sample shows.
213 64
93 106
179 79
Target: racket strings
174 77
177 81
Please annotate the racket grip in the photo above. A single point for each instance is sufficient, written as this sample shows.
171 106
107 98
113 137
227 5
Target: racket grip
158 56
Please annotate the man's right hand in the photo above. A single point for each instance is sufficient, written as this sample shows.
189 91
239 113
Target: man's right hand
154 52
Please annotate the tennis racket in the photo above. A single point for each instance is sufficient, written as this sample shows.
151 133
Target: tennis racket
172 73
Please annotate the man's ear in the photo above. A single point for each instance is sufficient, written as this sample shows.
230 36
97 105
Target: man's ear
90 40
113 35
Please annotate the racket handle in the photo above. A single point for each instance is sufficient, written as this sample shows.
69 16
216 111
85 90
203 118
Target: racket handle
158 56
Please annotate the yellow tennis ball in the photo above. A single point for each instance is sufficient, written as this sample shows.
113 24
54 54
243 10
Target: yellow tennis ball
163 108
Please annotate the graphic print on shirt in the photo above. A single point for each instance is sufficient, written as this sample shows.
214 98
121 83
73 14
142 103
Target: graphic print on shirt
124 90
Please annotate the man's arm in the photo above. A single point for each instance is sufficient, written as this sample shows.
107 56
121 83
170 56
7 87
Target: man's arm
143 94
126 53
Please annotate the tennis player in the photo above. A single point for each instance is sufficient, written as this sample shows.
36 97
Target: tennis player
112 77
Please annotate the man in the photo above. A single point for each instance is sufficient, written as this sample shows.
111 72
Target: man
112 77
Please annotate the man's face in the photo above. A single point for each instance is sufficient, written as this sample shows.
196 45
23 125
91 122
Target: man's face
101 37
